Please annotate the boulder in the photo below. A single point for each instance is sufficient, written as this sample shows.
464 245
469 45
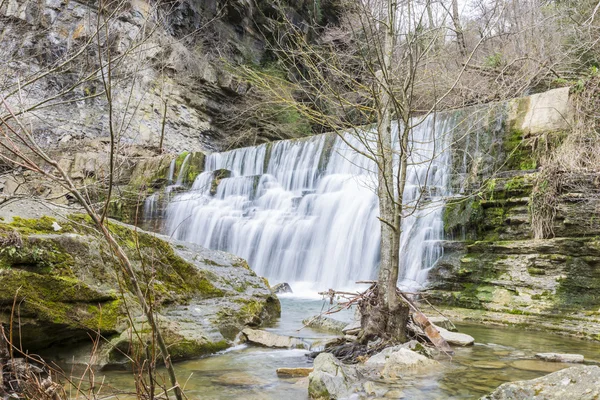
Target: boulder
321 322
293 372
67 284
455 338
330 379
400 362
575 383
561 357
281 288
393 362
269 339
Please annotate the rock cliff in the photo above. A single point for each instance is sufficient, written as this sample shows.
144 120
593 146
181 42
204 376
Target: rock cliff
494 269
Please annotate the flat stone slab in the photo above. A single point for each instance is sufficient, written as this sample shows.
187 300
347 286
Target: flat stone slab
269 339
455 338
561 357
239 379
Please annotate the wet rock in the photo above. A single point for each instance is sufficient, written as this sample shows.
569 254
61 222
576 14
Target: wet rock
203 298
330 379
281 288
455 338
293 372
404 360
239 379
269 339
561 357
321 322
394 394
575 383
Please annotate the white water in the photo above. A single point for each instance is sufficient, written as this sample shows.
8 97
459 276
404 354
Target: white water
306 211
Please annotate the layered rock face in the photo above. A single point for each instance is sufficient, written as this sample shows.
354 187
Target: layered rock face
495 270
60 283
168 68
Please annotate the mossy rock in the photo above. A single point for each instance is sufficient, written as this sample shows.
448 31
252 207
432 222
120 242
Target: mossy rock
70 285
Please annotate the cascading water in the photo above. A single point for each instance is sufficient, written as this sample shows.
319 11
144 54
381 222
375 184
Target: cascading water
306 210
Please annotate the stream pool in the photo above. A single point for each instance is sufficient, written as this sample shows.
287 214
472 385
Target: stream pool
246 372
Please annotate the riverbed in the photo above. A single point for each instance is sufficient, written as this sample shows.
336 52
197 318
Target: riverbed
500 354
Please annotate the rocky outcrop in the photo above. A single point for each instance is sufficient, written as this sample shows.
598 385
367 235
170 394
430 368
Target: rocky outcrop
172 69
282 288
493 270
576 383
67 285
332 379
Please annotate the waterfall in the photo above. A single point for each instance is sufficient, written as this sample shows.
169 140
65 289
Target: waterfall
306 210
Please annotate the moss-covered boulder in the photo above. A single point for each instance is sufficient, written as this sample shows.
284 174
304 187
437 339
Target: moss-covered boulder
61 283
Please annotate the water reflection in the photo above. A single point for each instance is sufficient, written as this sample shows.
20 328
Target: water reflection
500 355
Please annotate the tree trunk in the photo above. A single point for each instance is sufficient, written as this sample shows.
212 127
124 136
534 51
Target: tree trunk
384 315
460 37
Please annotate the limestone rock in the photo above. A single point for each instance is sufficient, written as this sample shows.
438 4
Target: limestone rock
69 283
270 339
321 322
561 357
330 378
281 288
292 372
455 338
402 361
575 383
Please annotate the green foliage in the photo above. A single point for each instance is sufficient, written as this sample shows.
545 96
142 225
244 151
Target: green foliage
494 60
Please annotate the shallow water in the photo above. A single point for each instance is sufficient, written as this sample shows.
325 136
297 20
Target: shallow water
246 372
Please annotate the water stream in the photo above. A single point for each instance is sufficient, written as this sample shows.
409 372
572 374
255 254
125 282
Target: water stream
247 372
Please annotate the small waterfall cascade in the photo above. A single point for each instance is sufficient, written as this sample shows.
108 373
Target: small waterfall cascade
153 209
307 211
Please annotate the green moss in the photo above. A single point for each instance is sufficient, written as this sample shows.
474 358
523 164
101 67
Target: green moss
106 316
195 167
184 349
463 217
218 176
42 225
518 155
